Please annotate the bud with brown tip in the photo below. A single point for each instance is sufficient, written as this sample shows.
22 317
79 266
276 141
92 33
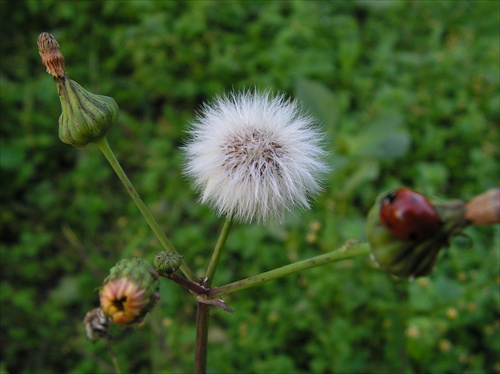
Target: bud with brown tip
85 116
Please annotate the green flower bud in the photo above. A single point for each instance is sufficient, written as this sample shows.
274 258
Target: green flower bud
167 263
85 116
409 245
130 291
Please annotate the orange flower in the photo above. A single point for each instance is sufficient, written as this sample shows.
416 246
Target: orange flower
123 301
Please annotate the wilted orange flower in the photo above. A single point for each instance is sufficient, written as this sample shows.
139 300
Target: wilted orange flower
123 301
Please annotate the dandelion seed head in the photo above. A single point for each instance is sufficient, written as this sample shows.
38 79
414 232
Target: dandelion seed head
254 156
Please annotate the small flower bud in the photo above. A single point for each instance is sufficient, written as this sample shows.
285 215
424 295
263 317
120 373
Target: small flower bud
85 116
167 263
129 292
406 231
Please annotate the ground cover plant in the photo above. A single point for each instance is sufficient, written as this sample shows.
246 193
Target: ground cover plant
407 93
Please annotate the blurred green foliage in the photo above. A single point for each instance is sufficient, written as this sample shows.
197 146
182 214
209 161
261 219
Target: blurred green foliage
408 94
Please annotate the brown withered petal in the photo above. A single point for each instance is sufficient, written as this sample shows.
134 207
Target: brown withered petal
51 55
96 324
484 209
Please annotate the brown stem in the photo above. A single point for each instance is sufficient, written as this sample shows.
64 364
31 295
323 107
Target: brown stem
200 356
186 283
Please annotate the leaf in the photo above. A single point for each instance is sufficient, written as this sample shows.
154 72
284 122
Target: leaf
67 291
320 100
383 139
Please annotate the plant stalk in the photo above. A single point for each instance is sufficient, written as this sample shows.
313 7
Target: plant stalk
347 251
186 283
203 310
108 153
201 345
113 357
218 251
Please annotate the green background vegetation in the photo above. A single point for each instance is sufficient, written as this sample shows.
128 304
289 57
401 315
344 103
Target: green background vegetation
408 94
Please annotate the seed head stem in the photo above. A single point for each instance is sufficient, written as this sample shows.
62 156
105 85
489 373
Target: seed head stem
218 251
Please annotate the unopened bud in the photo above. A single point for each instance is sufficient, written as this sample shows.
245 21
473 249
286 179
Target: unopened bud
85 116
130 291
407 231
167 263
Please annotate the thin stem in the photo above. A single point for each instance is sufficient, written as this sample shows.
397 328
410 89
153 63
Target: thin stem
348 250
218 251
203 310
200 356
108 153
113 357
186 283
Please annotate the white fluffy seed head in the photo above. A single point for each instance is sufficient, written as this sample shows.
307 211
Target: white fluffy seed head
254 156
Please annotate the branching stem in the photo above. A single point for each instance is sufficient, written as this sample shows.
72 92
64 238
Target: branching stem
347 251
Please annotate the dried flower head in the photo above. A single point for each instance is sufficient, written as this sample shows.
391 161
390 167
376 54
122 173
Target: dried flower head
96 324
129 292
123 300
254 156
51 55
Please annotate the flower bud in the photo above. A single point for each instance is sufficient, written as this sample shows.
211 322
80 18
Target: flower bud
406 231
130 291
167 263
85 116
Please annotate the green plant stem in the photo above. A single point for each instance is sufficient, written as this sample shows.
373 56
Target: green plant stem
113 357
218 251
201 345
108 153
347 251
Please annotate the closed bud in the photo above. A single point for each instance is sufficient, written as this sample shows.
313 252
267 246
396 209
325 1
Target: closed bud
407 231
130 291
167 263
85 116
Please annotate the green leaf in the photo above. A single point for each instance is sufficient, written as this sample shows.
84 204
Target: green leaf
384 138
319 100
